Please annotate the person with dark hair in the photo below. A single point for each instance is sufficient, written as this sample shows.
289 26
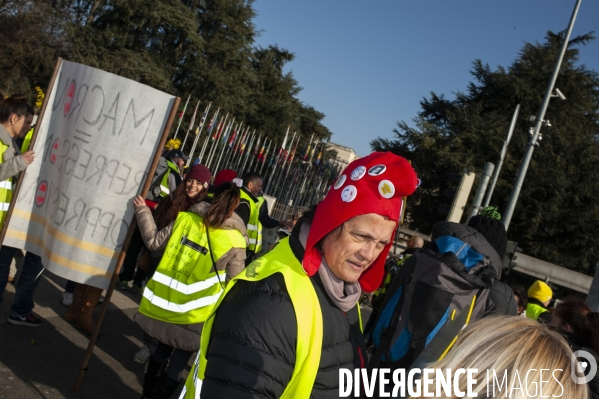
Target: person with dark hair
287 325
85 298
167 178
580 325
13 117
204 249
521 301
176 162
254 212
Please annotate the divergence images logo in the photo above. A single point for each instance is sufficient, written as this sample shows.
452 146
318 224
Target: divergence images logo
587 362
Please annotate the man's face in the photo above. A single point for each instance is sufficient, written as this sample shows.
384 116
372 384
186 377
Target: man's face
255 187
362 240
26 126
179 162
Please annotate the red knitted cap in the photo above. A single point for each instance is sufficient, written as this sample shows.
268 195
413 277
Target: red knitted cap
224 176
373 184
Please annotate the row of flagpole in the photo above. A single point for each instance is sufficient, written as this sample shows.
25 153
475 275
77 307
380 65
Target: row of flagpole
298 180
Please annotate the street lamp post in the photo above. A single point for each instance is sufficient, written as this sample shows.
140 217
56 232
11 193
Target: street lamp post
501 158
535 134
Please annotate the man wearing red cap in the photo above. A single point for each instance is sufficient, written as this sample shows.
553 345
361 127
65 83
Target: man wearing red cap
286 325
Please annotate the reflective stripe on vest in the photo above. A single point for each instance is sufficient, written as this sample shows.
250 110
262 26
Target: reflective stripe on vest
253 228
308 316
184 288
164 188
5 190
533 311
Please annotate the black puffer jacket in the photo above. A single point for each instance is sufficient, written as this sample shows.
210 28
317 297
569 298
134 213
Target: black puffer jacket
252 344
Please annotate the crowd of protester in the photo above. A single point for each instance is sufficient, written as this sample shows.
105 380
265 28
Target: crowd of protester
282 321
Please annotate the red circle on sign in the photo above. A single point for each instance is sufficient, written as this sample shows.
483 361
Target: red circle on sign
40 193
54 152
69 100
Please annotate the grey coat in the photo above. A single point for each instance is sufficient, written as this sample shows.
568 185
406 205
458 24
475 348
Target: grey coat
12 163
184 336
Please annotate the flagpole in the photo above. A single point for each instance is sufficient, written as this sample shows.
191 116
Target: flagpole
290 160
193 119
265 157
208 133
242 144
234 156
230 152
277 187
311 155
248 152
255 151
225 137
214 148
274 169
182 115
209 156
272 158
198 133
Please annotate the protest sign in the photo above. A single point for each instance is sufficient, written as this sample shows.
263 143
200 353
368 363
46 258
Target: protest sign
94 147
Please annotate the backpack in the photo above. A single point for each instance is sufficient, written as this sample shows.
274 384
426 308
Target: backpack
154 191
448 285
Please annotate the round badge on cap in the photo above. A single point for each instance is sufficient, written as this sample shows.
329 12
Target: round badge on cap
358 173
349 193
386 189
377 170
339 182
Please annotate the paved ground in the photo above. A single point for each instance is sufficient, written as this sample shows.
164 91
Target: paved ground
44 362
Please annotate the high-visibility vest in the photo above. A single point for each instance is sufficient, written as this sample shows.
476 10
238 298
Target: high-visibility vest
260 227
533 311
27 141
164 189
253 228
185 286
5 188
308 316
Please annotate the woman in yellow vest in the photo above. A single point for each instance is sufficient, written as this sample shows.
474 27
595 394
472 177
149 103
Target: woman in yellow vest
192 191
15 117
288 323
203 249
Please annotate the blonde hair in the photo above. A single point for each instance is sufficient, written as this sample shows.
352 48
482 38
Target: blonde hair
511 346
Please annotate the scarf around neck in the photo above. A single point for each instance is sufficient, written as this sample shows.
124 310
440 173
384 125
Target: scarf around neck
344 295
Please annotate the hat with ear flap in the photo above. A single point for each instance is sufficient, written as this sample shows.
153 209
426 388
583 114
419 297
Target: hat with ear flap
377 184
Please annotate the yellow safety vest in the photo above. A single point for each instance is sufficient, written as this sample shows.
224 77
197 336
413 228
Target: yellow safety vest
5 189
185 286
27 141
164 189
253 228
308 316
258 206
533 311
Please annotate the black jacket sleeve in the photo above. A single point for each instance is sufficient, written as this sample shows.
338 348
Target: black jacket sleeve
243 211
251 353
265 219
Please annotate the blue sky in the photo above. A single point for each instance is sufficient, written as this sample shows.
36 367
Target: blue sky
367 65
